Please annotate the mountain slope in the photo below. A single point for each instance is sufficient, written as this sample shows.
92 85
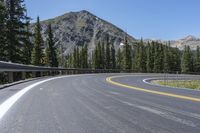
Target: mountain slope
79 28
190 40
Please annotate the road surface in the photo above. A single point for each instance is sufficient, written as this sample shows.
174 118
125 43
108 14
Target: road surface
99 103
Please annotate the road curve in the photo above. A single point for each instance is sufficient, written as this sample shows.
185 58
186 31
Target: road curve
92 104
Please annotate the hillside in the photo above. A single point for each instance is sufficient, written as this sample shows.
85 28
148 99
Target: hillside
79 28
189 40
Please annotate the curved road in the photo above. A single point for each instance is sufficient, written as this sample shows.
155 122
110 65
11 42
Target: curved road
99 103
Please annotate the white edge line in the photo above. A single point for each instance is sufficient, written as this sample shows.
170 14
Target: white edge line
146 81
6 105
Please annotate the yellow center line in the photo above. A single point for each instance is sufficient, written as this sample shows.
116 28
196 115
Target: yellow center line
109 80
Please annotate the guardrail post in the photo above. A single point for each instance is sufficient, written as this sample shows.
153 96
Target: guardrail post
10 77
34 74
60 72
53 73
63 72
48 73
23 75
42 74
39 74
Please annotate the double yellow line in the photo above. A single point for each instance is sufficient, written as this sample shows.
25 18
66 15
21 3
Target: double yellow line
109 80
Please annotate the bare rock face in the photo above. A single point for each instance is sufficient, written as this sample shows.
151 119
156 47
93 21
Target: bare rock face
190 40
79 28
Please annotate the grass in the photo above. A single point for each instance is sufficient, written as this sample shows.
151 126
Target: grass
191 84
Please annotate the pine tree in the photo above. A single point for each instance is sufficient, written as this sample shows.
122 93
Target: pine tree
175 60
96 58
93 59
113 59
37 52
16 29
197 60
148 50
78 63
136 64
127 56
3 48
69 61
51 55
27 45
108 53
140 58
156 59
84 56
186 62
152 56
99 56
103 55
119 60
87 60
149 57
161 57
75 59
166 59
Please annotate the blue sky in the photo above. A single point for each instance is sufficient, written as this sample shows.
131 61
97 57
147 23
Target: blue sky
155 19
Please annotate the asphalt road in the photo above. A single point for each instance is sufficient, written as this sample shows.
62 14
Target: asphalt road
90 104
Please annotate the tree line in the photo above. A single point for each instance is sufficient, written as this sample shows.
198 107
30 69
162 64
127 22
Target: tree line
150 57
15 38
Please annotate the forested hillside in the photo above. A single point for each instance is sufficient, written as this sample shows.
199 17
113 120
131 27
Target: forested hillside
153 57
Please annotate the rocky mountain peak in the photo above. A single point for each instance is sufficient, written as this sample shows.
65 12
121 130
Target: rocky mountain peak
86 12
190 38
79 28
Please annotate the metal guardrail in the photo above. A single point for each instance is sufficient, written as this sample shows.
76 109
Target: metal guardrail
10 69
15 67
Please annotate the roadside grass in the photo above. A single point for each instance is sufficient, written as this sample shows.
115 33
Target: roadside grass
191 84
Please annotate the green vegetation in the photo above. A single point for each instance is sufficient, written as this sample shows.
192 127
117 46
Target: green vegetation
50 52
127 58
187 60
108 59
2 31
37 53
16 43
197 60
14 23
192 84
138 57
